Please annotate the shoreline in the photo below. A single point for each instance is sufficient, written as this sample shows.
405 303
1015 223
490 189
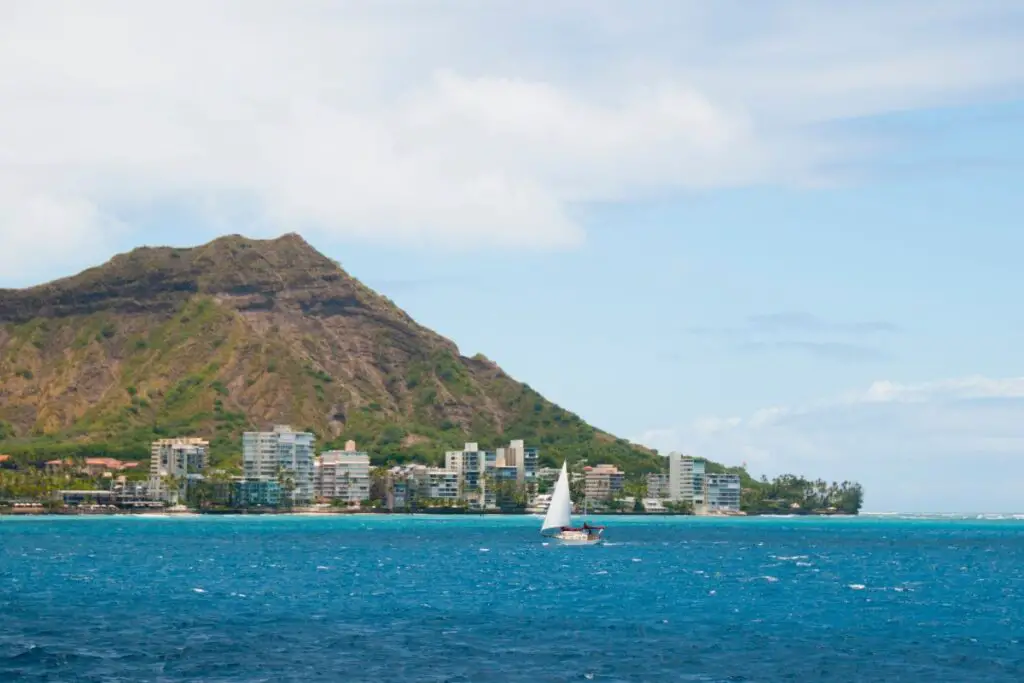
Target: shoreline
896 517
441 512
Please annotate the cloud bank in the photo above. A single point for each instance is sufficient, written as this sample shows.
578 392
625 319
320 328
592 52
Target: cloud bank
807 334
448 123
947 445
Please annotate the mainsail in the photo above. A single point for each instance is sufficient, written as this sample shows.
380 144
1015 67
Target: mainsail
560 510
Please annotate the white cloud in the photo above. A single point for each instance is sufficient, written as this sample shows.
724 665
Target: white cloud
714 425
962 388
953 445
452 123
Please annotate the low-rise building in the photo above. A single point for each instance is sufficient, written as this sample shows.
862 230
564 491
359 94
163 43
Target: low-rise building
406 484
603 482
654 505
658 486
548 475
342 475
255 493
93 467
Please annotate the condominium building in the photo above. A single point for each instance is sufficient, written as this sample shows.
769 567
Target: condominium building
658 486
342 475
470 465
722 492
524 460
443 484
603 482
477 469
686 479
281 455
182 460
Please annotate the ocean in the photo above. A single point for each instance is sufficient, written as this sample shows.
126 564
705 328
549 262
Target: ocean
376 598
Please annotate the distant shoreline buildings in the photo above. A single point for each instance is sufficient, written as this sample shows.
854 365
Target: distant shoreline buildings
689 483
281 469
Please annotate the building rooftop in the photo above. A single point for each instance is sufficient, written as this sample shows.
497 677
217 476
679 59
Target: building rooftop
182 441
602 469
111 463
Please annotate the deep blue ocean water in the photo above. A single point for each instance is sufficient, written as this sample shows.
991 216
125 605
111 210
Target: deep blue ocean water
363 598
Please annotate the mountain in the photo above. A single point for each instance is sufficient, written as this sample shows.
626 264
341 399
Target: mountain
240 334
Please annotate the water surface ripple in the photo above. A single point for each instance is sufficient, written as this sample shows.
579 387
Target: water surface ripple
483 599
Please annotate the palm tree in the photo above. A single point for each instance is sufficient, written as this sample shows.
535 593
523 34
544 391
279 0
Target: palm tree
172 485
380 484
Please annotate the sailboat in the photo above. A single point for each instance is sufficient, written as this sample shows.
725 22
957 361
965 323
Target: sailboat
559 517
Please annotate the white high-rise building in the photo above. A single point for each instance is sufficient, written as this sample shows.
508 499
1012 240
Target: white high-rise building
342 475
181 459
281 455
685 479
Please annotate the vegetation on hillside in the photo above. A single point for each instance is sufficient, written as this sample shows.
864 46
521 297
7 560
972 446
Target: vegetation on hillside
242 334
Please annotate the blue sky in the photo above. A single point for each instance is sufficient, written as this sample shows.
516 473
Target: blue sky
787 236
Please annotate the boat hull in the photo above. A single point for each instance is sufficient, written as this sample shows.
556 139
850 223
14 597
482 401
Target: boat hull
577 538
576 541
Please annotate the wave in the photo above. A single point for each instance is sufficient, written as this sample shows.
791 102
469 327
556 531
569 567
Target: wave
947 516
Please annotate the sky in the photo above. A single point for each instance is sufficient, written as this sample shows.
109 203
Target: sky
785 233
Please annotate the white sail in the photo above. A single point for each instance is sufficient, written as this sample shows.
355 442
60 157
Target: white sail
560 510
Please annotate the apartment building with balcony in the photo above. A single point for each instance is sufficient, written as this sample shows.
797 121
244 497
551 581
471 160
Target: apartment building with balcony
721 493
282 455
342 476
686 479
603 482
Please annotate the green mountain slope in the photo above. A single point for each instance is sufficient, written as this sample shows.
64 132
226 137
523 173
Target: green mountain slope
240 334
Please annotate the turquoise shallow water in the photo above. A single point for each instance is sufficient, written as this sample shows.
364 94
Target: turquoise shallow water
482 599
